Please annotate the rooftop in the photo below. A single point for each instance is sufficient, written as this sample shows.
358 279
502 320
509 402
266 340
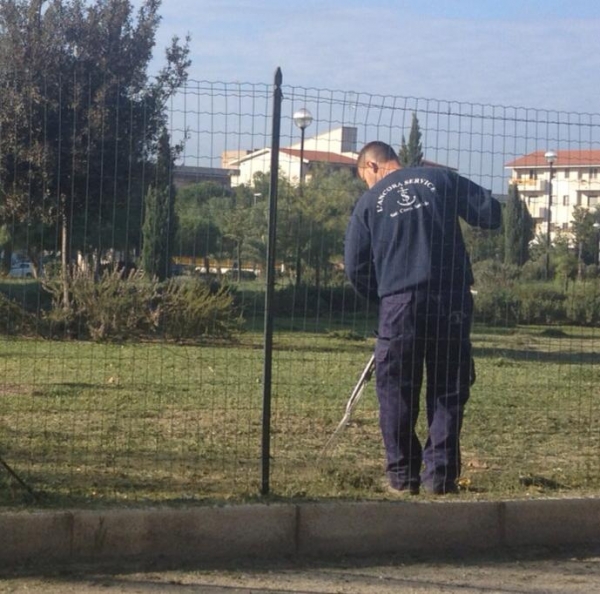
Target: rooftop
320 156
574 158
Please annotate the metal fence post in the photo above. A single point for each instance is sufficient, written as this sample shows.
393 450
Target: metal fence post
268 338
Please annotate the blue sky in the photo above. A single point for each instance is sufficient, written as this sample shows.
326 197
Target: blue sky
526 53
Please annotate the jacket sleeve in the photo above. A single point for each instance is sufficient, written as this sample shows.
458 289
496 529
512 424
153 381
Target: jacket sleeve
358 257
477 206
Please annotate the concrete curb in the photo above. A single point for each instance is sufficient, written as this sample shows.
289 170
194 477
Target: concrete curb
267 532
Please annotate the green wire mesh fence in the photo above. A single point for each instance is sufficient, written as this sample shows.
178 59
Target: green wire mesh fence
135 258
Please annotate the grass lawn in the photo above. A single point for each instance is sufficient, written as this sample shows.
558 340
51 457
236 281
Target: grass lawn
95 424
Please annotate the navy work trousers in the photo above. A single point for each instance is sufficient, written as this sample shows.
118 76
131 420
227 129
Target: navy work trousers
420 329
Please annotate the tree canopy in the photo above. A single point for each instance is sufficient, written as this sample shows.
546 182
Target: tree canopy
585 236
80 118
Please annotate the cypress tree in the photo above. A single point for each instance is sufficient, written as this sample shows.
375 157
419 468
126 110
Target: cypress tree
411 154
518 229
160 221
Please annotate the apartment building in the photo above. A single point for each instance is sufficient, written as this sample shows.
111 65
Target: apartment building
575 182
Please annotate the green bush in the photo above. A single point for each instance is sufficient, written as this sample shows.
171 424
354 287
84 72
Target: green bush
535 270
191 309
583 305
301 300
116 308
15 319
307 300
112 307
541 305
496 303
491 272
590 271
531 303
507 295
496 306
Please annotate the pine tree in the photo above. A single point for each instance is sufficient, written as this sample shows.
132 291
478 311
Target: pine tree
411 154
518 229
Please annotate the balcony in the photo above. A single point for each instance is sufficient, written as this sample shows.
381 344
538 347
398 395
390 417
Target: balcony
530 185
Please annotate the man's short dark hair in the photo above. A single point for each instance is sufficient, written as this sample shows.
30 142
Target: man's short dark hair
377 151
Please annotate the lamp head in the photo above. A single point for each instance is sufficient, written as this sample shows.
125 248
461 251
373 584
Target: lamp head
302 118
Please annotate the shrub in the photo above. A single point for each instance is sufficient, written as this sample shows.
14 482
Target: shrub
110 308
534 270
191 309
488 272
496 306
15 319
496 302
307 300
116 308
583 306
537 304
590 271
541 305
301 300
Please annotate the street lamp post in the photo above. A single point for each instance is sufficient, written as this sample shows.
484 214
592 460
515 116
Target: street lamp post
550 157
596 226
303 119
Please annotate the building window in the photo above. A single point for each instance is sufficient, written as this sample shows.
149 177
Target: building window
578 200
565 226
580 174
566 200
594 173
567 172
532 174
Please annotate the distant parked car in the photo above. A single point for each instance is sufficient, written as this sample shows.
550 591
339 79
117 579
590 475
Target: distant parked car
22 270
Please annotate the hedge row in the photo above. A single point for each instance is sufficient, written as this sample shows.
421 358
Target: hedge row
504 299
116 308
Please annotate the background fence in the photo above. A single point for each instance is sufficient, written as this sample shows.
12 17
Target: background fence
117 386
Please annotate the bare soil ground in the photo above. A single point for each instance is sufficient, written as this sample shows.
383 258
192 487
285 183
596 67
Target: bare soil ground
574 571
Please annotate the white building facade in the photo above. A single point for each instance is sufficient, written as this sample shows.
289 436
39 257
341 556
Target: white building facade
575 182
336 148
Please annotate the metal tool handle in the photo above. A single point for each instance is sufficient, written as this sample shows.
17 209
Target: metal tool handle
355 396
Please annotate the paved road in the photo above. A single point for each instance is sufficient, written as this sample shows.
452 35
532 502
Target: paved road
563 572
